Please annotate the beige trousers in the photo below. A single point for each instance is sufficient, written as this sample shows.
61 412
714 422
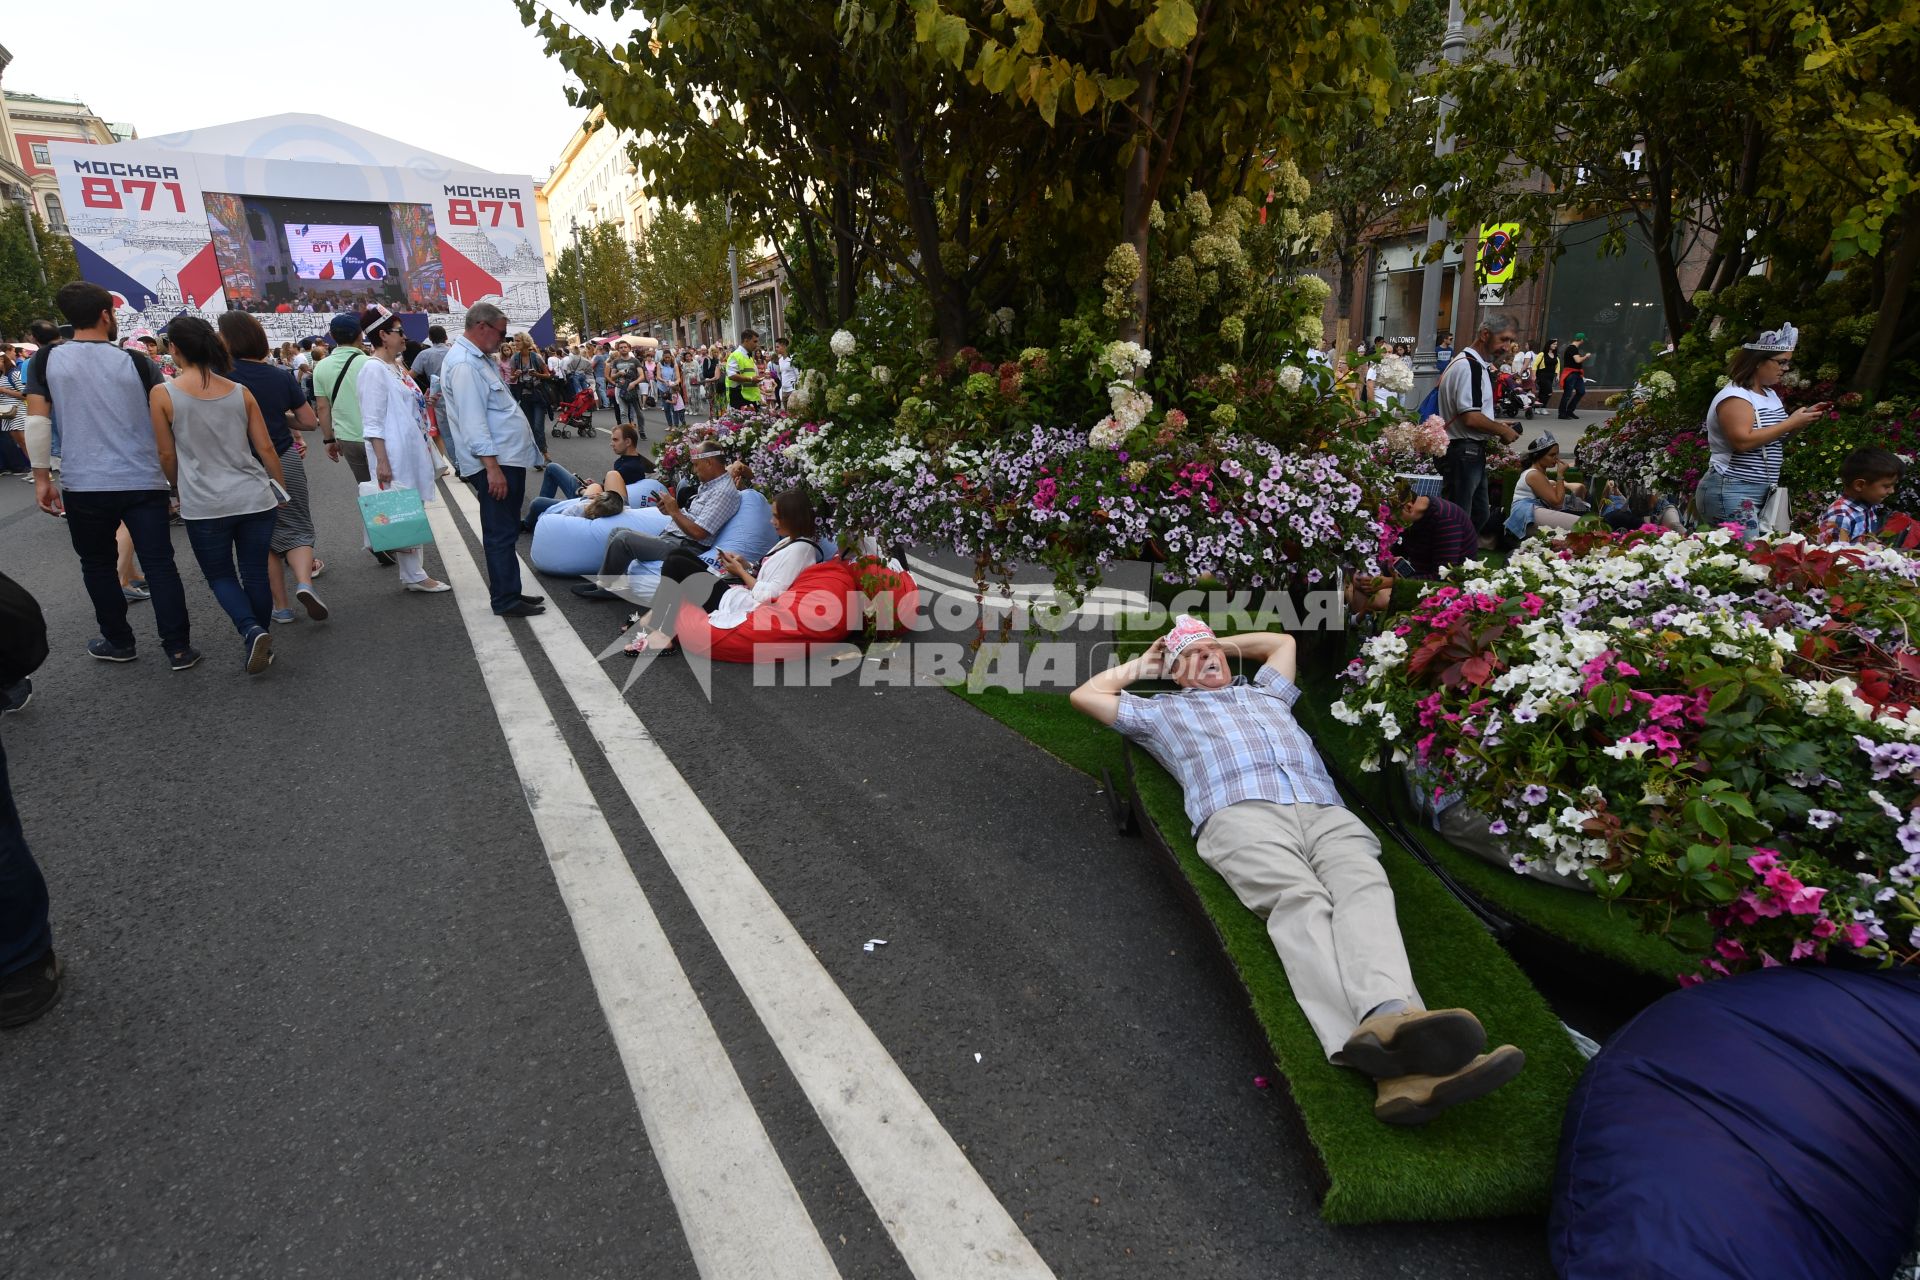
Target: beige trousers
1313 870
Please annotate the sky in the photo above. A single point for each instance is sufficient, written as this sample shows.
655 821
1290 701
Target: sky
228 60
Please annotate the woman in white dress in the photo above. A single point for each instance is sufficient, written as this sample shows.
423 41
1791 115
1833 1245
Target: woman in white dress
393 415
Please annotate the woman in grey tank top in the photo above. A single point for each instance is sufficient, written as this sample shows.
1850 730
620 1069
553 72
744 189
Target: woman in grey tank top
215 449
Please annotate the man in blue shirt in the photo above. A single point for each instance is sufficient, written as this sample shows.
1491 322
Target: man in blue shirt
1270 822
491 448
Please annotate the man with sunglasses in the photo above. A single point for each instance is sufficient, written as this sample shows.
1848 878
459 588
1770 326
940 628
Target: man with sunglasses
491 449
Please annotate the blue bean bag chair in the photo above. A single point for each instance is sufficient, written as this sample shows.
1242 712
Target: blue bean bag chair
565 542
1761 1126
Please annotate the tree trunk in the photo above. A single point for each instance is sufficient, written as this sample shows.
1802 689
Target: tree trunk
1872 373
1343 313
1673 297
846 259
1136 204
947 294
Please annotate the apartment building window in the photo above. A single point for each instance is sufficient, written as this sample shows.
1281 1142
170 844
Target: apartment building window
56 216
40 156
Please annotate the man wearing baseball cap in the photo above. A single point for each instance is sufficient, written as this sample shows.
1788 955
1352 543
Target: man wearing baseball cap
1269 820
336 397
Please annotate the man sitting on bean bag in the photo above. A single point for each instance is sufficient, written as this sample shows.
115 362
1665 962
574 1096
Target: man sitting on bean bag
1270 822
691 528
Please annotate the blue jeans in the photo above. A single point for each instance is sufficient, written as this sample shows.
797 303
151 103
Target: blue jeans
1463 481
500 534
93 519
600 389
535 405
1723 501
247 595
556 486
25 935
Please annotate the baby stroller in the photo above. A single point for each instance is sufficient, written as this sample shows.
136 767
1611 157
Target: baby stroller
576 415
1511 397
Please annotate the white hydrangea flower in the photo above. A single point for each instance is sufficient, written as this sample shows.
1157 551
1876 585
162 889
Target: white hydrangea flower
1291 376
842 343
881 374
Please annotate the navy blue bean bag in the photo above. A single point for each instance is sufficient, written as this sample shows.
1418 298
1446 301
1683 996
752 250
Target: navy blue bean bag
1761 1126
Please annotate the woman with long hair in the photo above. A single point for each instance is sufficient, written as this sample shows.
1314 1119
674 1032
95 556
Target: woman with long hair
393 413
215 449
528 375
280 398
745 587
1546 369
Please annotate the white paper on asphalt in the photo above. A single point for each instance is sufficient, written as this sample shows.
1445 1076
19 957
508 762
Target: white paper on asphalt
719 1165
942 1216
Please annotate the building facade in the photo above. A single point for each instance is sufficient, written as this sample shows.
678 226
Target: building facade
33 125
593 181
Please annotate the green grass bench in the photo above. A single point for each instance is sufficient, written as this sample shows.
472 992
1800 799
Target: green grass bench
1486 1159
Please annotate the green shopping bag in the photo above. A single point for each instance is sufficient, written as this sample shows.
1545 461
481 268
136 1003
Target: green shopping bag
395 518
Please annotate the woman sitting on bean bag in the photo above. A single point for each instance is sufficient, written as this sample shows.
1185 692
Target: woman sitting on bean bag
745 587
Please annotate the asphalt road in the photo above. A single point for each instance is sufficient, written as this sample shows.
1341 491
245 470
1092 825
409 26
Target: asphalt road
328 1015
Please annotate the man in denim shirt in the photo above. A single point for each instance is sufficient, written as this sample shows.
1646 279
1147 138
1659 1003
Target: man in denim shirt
491 449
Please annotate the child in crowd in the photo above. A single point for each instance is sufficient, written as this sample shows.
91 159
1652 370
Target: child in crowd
1867 479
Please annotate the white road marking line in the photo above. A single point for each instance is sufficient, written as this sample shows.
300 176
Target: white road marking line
943 1217
739 1209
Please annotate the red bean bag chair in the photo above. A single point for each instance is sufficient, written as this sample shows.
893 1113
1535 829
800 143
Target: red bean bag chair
826 604
891 595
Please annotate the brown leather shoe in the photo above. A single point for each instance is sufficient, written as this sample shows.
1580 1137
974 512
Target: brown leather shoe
1418 1042
1414 1100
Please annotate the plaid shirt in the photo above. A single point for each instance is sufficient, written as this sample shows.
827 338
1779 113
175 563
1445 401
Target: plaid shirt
1850 521
1232 744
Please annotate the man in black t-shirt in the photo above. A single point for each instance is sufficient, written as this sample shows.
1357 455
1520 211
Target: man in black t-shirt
1573 382
558 484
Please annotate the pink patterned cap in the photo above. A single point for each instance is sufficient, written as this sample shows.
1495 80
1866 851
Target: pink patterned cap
1187 631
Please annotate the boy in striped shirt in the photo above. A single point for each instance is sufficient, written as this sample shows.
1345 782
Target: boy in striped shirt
1867 479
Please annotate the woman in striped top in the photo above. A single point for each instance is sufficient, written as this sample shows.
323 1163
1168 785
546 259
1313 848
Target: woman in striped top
1745 425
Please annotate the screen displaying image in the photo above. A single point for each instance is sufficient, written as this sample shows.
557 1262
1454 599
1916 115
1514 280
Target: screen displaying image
331 251
284 256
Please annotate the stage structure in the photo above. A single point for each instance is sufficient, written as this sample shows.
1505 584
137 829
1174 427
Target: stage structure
296 218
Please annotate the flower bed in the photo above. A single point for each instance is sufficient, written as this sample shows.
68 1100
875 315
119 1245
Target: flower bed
1719 734
1281 487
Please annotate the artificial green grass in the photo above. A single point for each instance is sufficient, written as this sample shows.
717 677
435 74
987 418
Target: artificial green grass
1485 1159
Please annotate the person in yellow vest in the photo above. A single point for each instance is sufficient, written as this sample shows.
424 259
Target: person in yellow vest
743 373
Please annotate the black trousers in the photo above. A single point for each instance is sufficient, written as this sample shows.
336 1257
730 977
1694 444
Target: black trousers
684 569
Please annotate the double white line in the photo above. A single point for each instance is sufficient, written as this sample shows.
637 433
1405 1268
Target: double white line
737 1205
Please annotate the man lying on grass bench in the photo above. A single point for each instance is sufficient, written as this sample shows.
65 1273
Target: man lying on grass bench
1270 822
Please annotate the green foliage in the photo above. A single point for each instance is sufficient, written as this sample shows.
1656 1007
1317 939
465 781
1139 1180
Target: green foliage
681 262
600 262
28 283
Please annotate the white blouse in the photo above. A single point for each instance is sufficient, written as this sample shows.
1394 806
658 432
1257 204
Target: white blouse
777 574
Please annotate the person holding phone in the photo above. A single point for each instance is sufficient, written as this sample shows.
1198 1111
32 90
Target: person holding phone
1745 424
745 587
393 414
214 448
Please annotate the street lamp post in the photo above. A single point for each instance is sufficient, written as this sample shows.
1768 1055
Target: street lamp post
579 276
1453 48
733 272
